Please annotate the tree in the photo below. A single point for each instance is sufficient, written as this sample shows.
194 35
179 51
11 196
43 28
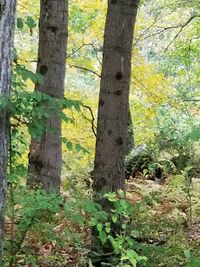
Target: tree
7 17
109 173
45 157
130 134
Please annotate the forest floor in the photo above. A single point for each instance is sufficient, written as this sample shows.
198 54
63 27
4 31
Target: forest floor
166 215
171 218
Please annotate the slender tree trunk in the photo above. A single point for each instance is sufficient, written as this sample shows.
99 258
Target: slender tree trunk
7 18
45 158
109 173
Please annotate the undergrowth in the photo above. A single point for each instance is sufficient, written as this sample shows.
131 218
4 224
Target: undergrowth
160 229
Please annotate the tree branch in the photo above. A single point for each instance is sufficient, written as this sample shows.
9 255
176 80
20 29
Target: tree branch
94 128
181 26
181 29
79 48
86 69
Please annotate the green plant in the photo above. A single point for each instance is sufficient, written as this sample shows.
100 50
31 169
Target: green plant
116 231
173 142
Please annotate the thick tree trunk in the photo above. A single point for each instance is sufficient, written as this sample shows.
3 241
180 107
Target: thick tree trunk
7 17
109 173
45 158
130 134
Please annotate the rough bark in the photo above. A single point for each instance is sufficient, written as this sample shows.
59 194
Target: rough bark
109 173
130 134
45 157
7 16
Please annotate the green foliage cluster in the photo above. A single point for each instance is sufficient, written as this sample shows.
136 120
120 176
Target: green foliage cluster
175 138
37 214
131 235
28 22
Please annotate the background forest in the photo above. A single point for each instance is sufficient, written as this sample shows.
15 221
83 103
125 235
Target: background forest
102 131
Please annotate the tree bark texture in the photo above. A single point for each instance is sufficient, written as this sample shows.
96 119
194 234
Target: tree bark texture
109 173
45 157
7 18
130 134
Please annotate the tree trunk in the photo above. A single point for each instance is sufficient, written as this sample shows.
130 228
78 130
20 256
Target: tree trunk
109 173
45 157
7 17
130 133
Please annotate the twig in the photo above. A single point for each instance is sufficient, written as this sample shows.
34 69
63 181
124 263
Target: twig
86 69
75 51
191 100
79 48
181 29
91 121
182 26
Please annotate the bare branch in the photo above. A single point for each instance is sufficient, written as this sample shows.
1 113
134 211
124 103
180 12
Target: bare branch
149 27
94 128
181 26
75 51
86 69
79 48
181 29
191 100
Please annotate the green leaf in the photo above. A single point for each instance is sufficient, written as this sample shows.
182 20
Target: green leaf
115 244
20 23
79 148
133 257
123 226
69 145
112 197
30 22
107 229
103 237
115 217
99 227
